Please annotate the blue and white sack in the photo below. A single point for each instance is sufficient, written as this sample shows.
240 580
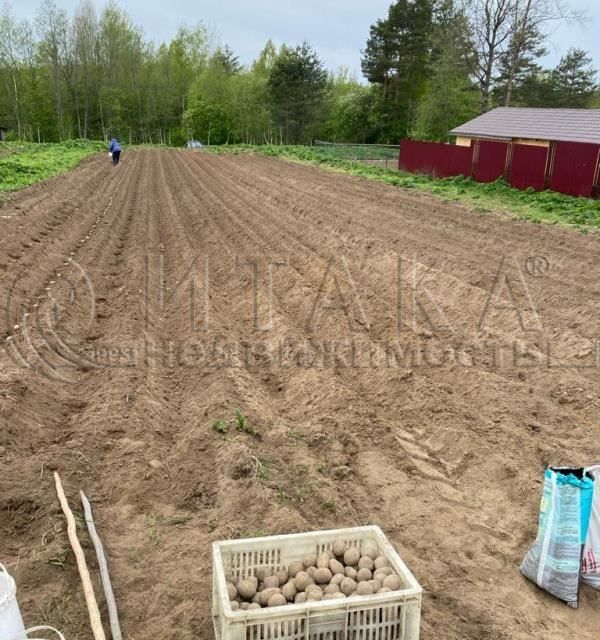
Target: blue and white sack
590 565
554 561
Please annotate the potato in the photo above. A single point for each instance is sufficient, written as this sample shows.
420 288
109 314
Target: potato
366 563
302 580
351 572
261 574
300 598
339 548
323 561
375 584
379 580
254 605
364 589
369 549
256 599
338 578
311 571
332 588
383 572
246 589
244 606
289 590
364 575
267 594
348 586
381 562
333 596
322 576
352 556
271 582
336 567
310 560
254 581
235 605
313 587
283 576
384 590
295 568
314 596
393 582
232 591
276 600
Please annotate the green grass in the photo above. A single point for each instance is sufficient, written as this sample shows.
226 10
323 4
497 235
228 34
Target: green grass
25 163
220 426
538 207
357 151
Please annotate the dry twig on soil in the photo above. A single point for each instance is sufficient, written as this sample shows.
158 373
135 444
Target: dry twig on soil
88 589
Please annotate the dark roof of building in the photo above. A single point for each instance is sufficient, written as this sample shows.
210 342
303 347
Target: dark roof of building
572 125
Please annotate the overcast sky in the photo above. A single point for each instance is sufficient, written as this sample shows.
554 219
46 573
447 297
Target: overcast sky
338 29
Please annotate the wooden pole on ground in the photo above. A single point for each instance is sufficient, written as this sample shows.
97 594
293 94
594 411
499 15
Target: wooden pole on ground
113 613
88 589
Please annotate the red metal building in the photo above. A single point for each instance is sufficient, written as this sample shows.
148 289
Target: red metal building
556 149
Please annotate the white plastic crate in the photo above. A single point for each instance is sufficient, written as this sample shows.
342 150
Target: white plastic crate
384 616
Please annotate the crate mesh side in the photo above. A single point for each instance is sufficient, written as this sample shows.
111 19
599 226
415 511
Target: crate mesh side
245 563
391 621
283 630
379 623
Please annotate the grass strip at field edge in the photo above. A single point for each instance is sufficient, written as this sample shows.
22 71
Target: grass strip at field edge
547 207
23 164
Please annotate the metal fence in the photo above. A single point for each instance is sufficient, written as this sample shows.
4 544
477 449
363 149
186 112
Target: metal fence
384 155
567 167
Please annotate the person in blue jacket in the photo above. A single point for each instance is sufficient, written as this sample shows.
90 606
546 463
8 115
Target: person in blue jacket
115 148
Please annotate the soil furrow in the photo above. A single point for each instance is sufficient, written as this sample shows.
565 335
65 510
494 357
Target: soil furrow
174 313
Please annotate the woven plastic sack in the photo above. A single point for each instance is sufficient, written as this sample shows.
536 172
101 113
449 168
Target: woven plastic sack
26 634
590 565
554 561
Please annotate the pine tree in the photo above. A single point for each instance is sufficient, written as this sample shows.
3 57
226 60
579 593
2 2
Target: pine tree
574 80
397 58
451 97
297 85
228 60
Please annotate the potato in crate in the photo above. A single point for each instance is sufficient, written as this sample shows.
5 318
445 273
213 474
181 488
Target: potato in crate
344 584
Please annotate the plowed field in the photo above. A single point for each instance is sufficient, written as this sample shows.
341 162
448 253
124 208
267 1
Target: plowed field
399 360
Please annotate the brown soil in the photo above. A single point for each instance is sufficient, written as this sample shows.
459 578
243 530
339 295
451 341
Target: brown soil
418 367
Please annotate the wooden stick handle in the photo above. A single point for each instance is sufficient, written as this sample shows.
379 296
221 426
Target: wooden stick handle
88 589
113 613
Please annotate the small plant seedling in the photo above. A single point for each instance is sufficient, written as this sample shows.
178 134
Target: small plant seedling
330 505
220 426
153 530
240 421
241 424
263 469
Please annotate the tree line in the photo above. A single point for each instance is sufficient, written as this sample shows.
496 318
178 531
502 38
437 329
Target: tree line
429 65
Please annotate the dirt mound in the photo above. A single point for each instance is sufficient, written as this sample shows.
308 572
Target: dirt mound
397 360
